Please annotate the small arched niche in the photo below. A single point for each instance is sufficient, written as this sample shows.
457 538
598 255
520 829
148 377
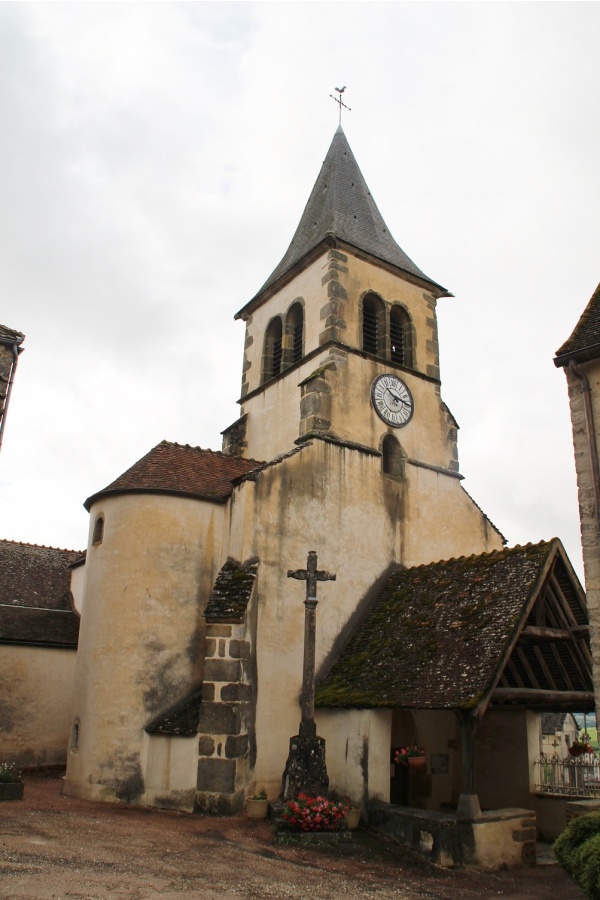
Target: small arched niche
392 457
98 535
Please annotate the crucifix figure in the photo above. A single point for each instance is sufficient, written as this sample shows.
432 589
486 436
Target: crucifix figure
305 769
311 575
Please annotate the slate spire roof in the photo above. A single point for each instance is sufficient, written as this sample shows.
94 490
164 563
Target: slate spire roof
584 342
341 205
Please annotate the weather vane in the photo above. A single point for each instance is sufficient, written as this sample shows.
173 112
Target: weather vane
338 100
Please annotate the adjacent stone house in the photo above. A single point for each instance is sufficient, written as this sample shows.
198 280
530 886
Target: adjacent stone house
39 627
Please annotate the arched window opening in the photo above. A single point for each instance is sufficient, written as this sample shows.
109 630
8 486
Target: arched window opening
273 349
371 324
98 530
393 463
400 336
294 327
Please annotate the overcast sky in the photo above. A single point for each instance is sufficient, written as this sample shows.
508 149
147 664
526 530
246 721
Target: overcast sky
155 160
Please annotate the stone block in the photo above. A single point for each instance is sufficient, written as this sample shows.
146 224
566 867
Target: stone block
218 630
206 745
239 649
216 776
211 648
236 692
219 804
222 669
220 718
337 254
236 746
335 289
208 692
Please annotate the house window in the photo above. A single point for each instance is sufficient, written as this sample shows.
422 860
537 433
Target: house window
98 530
273 348
393 460
373 321
400 336
294 330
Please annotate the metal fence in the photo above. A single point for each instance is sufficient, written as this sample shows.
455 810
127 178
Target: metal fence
572 777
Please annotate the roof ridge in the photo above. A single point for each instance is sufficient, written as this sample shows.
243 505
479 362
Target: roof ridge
167 443
40 546
503 551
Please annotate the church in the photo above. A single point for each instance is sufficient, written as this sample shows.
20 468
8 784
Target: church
187 685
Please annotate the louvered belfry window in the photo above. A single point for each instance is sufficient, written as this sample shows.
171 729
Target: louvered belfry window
398 336
295 327
370 325
273 348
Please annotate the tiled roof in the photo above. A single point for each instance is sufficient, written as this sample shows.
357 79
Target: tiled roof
8 334
49 627
180 469
232 590
341 205
584 342
35 576
36 605
181 720
435 635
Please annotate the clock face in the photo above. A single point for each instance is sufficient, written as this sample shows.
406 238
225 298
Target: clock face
392 400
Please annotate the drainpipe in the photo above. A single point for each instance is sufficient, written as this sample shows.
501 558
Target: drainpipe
16 349
586 390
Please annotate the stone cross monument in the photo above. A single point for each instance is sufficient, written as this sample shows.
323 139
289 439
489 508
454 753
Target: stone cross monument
305 770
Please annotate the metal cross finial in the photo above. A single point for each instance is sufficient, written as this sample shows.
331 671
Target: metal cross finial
338 100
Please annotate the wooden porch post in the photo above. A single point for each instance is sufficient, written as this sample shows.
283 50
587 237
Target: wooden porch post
468 802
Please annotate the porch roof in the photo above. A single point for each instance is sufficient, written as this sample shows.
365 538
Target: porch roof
507 628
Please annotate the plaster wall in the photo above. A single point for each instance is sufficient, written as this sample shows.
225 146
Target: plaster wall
358 742
333 500
78 586
35 719
142 632
583 466
170 773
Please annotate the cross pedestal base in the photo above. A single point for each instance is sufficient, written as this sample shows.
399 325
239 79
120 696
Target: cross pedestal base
305 770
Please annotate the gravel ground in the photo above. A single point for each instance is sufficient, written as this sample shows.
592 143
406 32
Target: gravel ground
56 848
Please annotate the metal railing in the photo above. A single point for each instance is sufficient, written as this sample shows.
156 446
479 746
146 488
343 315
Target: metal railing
572 777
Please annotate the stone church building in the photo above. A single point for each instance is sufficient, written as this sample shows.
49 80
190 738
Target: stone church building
190 657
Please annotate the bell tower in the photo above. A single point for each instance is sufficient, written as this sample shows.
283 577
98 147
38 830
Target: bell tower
341 340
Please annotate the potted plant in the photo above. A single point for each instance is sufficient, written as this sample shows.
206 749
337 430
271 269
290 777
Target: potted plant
411 755
314 813
257 806
11 785
579 747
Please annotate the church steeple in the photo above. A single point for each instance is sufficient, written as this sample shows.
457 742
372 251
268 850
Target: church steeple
341 205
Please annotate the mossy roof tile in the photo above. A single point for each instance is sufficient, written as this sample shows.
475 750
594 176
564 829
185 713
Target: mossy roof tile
435 635
231 592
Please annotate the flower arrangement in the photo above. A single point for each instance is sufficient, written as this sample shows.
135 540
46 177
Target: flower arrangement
9 774
403 754
261 795
580 746
314 813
